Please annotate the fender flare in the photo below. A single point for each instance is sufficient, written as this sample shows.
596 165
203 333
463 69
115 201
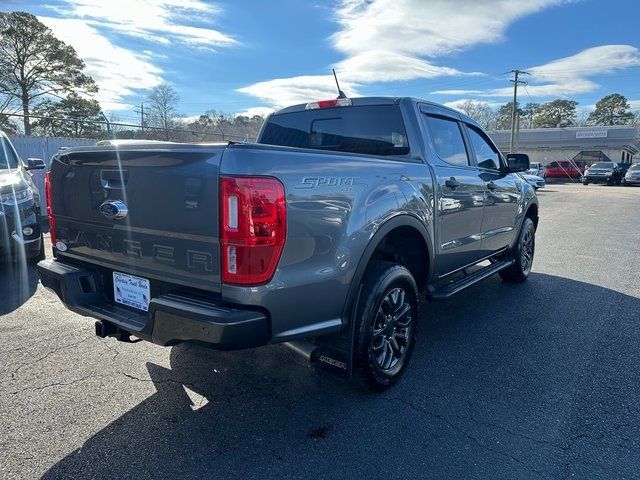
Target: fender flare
402 220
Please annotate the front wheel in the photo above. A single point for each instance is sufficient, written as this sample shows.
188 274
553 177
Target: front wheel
522 254
585 183
386 325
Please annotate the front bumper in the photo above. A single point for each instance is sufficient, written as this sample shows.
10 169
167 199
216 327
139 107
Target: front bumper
172 318
13 220
597 178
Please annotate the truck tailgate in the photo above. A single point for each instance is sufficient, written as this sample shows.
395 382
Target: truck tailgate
170 230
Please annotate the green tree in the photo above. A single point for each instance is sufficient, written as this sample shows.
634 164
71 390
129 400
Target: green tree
557 113
70 117
529 112
33 63
7 124
613 109
503 116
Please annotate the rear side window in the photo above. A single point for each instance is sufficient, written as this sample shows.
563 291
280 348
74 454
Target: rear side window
447 140
372 130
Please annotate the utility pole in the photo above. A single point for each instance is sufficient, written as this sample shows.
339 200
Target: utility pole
514 109
141 112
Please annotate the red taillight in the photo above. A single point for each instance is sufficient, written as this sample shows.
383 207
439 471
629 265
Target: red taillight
252 228
336 102
52 218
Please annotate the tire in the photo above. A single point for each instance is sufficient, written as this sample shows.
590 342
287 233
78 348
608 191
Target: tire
386 326
523 254
585 183
39 255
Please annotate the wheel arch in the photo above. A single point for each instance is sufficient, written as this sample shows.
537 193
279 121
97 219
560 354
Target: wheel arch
402 226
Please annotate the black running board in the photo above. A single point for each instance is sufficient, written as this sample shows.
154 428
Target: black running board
452 288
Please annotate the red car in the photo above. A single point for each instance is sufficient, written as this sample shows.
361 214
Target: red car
563 169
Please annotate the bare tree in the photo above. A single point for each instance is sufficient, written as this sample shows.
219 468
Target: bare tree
163 107
481 112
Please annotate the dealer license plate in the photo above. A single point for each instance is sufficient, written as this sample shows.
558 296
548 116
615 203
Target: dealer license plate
131 291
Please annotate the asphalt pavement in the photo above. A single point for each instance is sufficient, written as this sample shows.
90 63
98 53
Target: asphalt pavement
536 380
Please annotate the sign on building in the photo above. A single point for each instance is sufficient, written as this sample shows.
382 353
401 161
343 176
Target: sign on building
591 134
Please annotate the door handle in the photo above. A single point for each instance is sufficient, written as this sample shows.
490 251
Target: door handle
491 186
452 183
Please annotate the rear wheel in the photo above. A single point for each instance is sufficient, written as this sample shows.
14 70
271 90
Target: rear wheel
522 254
584 182
386 325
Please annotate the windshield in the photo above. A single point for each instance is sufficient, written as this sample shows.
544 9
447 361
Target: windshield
635 166
373 130
7 156
602 165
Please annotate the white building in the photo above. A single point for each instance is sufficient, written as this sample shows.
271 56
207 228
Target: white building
584 145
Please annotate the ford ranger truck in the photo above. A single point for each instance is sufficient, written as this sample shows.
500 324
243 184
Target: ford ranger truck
322 235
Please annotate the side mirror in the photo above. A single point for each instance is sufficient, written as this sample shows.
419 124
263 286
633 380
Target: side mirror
517 162
35 164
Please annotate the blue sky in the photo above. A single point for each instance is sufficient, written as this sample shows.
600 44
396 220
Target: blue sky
251 56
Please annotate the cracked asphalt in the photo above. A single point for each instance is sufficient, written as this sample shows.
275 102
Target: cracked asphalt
538 380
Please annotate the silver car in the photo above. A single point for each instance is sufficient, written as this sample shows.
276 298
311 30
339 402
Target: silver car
534 180
632 177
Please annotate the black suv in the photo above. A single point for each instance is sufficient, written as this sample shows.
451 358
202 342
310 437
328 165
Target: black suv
20 231
610 173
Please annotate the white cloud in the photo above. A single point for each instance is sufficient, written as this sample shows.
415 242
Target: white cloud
635 104
281 92
566 76
117 71
431 29
89 27
399 40
159 21
261 111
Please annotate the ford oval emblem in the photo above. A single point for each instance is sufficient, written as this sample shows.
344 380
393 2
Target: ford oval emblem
113 209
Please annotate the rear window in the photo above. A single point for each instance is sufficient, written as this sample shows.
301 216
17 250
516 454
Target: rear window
635 166
373 130
602 165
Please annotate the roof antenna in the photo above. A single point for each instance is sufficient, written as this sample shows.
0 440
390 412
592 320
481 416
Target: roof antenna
340 92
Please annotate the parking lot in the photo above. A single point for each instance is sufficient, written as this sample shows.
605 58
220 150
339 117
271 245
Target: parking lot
535 380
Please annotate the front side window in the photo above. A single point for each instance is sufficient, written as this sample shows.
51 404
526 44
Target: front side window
447 140
486 155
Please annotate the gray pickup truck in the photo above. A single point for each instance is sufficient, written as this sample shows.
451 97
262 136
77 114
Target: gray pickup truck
322 235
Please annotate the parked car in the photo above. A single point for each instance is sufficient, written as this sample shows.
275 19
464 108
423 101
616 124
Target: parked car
534 180
632 177
536 168
321 235
20 232
603 172
563 169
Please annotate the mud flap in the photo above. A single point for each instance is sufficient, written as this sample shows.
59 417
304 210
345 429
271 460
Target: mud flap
330 359
335 353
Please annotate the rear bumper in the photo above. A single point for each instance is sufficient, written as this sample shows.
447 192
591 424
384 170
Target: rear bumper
172 318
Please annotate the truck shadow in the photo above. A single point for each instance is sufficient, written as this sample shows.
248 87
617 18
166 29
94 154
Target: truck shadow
481 370
18 282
